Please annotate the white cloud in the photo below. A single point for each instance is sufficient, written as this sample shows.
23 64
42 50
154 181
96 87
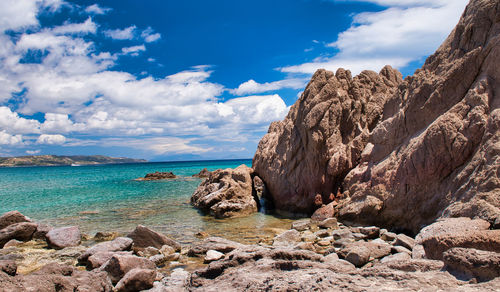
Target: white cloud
149 36
51 139
8 139
121 34
33 152
151 60
96 9
69 28
404 32
134 50
250 86
11 122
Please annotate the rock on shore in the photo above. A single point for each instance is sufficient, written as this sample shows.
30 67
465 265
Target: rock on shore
402 153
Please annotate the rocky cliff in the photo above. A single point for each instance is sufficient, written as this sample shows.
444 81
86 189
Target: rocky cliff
397 153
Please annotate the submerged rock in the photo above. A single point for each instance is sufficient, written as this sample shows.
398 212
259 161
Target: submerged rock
226 193
158 176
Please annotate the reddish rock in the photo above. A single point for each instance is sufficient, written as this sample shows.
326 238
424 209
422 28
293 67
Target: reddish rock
100 258
9 267
144 237
136 280
451 226
12 217
226 193
119 265
204 173
60 238
488 240
21 231
473 263
324 212
213 243
158 176
359 253
41 231
118 244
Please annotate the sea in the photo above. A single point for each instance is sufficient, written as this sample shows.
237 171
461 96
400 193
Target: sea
108 198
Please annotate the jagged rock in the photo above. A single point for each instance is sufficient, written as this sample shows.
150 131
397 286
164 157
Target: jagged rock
204 173
60 238
12 217
401 153
144 237
118 244
136 280
21 231
119 265
9 267
213 243
226 193
484 240
473 263
158 176
451 226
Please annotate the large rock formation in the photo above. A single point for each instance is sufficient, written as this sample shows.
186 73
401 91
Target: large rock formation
401 153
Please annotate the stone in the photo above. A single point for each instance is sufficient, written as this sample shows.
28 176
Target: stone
158 259
41 231
399 249
451 226
60 238
287 238
22 231
136 280
173 257
118 244
405 241
488 240
322 233
388 236
105 236
144 237
119 265
329 223
149 252
9 267
213 255
324 212
418 252
213 243
392 152
301 225
359 253
226 193
370 232
12 217
12 242
98 259
204 173
413 265
341 234
157 176
402 256
167 250
333 257
473 263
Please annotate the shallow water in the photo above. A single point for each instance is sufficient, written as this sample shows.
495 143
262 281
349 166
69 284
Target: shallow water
107 198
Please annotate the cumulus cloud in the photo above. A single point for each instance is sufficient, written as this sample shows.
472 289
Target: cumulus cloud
96 9
56 139
11 121
251 87
8 139
121 34
150 36
404 32
69 28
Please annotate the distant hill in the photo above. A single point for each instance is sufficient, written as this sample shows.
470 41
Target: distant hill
56 160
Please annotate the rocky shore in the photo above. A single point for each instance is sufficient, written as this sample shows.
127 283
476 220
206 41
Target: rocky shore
455 254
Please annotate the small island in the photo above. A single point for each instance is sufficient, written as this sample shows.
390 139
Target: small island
57 160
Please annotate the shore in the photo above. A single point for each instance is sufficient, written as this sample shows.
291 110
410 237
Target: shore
311 255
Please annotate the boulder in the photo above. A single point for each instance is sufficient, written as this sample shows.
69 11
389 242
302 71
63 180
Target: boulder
158 176
473 263
136 280
12 217
118 244
98 259
60 238
359 253
324 212
405 241
451 226
119 265
144 237
21 231
488 240
41 231
287 238
213 243
226 193
204 173
301 225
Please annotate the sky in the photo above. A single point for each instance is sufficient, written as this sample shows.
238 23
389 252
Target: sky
171 80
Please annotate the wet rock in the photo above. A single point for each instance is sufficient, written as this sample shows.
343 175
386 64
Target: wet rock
451 226
158 176
136 280
405 241
488 240
60 238
287 238
301 225
12 217
260 189
402 256
119 265
213 243
204 173
21 231
329 223
144 237
226 193
473 263
41 231
9 267
118 244
213 255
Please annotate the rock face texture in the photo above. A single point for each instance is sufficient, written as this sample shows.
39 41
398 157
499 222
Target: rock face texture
401 153
226 193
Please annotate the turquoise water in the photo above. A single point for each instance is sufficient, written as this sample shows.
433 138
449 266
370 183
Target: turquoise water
107 198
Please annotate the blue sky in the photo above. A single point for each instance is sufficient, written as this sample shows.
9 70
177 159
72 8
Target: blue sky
180 80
